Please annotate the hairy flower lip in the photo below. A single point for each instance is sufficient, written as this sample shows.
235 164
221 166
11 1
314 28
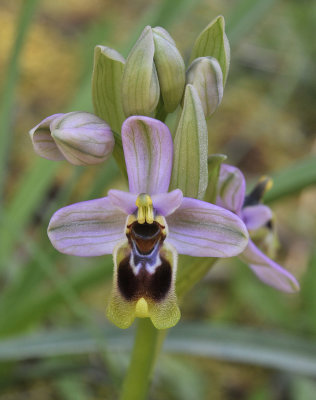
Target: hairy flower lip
232 195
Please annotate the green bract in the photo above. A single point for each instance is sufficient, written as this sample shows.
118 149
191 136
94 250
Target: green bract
189 171
213 42
214 166
107 85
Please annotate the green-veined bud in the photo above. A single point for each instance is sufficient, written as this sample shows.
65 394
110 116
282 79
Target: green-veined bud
107 86
206 76
213 42
78 137
140 86
170 68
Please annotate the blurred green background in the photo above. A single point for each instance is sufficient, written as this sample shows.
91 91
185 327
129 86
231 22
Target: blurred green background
237 339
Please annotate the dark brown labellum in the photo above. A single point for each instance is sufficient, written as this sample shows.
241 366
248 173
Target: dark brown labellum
144 272
153 286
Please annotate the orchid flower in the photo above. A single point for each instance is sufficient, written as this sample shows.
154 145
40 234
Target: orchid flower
231 195
146 228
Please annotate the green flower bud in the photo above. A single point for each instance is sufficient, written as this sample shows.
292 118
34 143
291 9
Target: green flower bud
107 86
213 42
78 137
170 68
140 86
206 76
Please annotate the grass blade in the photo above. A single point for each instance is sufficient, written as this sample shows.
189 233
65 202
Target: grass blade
227 343
292 179
8 92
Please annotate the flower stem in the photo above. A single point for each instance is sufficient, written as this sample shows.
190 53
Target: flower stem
147 344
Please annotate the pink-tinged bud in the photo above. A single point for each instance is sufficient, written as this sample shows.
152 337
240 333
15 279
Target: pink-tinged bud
78 137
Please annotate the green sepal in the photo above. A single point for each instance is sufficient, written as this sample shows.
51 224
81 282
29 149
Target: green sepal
140 86
107 86
213 42
214 165
205 74
189 171
118 153
170 69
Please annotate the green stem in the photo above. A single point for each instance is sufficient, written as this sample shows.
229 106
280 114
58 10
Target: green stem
147 344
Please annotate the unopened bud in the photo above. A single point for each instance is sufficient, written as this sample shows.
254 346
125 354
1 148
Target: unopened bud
140 86
206 76
170 68
78 137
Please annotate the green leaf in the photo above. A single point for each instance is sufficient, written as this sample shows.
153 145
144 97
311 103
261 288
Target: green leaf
214 165
292 179
244 345
32 188
7 113
107 86
140 86
213 42
229 343
189 171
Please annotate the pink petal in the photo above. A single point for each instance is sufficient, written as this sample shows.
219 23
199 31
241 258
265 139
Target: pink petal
43 143
231 188
166 203
202 229
86 229
148 151
269 271
125 201
256 217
